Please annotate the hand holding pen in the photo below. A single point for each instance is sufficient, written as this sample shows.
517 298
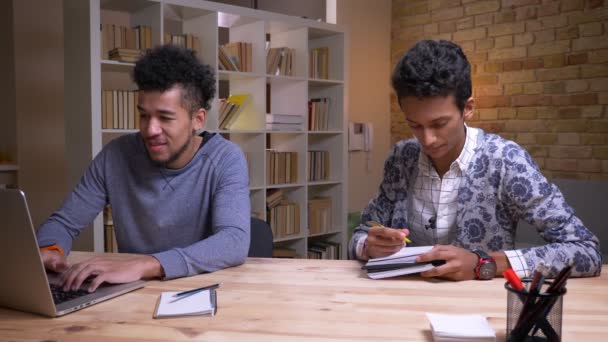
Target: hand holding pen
383 241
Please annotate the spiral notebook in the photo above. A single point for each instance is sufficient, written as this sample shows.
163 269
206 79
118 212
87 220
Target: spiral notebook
201 303
401 263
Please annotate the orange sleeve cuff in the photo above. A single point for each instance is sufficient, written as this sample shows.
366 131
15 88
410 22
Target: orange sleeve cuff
54 247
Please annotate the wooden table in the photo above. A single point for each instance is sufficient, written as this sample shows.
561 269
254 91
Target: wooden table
305 300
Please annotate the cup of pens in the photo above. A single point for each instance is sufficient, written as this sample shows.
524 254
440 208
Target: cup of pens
534 308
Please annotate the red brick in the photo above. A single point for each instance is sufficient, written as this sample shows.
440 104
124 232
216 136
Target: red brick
436 4
512 65
525 13
530 100
546 112
526 126
548 9
488 114
510 53
594 139
506 113
544 36
472 34
514 89
492 101
598 126
537 151
569 113
570 151
414 20
576 86
552 48
554 21
589 43
465 23
432 28
546 138
600 152
484 44
571 5
567 125
590 165
484 19
565 73
492 67
567 33
492 127
526 113
479 7
568 138
598 56
519 3
577 58
591 29
594 3
516 76
503 42
447 13
555 61
561 164
447 26
554 87
532 88
489 90
599 84
505 17
524 39
485 79
534 63
594 70
505 29
534 25
526 138
592 111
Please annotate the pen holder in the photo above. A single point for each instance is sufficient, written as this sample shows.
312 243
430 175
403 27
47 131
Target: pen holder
534 316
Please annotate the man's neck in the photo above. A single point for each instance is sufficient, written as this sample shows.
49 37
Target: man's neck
442 165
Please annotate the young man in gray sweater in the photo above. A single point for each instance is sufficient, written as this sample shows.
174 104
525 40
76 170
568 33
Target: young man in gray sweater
179 199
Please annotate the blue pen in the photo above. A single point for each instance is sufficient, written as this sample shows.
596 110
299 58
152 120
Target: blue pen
185 294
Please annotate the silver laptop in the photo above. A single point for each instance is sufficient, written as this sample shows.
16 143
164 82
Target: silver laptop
27 287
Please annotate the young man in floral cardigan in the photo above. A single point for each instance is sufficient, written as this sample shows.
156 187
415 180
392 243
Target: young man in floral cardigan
464 190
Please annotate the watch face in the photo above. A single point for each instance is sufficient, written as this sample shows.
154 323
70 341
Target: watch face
487 270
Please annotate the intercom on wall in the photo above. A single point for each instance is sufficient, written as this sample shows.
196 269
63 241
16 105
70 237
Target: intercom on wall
360 136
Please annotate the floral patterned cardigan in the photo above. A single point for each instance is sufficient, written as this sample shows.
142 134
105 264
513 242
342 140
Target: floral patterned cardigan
502 185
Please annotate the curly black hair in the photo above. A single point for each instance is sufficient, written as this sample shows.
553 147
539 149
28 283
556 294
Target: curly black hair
433 68
168 65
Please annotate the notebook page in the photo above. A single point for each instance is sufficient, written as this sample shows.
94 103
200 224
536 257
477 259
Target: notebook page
196 304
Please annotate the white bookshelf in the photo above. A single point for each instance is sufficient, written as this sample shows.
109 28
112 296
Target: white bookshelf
87 74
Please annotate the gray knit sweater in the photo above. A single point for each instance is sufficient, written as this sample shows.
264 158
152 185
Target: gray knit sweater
194 219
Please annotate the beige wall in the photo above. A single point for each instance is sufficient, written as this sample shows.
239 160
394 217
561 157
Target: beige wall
38 51
368 76
540 73
8 137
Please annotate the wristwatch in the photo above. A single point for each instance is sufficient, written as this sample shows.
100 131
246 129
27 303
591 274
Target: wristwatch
486 266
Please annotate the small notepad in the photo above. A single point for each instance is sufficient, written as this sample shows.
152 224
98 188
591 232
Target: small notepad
460 328
202 303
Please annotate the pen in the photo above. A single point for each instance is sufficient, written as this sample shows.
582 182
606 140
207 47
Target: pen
376 224
185 294
513 279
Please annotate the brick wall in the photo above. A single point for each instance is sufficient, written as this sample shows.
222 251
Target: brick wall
540 73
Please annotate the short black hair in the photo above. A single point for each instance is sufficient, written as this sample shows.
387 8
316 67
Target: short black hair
168 65
433 68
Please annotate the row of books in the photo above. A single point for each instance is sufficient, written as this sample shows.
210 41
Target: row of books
109 234
284 122
318 165
187 41
284 219
319 215
230 109
280 61
282 167
116 36
235 56
318 66
318 114
324 250
125 55
119 109
274 197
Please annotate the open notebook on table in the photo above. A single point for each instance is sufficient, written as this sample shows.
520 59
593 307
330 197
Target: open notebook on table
200 303
400 263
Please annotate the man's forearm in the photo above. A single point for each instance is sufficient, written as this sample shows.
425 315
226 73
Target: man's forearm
151 267
502 262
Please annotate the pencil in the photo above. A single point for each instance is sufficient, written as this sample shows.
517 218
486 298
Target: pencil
376 224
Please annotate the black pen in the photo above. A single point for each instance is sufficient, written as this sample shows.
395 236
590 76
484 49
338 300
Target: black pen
189 293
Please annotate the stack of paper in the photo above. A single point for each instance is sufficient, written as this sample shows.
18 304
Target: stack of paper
200 303
400 263
460 328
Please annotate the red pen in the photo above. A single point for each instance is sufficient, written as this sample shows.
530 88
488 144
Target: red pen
513 279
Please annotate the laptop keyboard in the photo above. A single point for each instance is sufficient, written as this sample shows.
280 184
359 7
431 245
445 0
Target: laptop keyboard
59 296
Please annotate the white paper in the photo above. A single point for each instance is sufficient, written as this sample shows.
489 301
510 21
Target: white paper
405 255
460 328
196 304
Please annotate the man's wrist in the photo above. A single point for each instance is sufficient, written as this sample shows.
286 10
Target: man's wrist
151 267
502 262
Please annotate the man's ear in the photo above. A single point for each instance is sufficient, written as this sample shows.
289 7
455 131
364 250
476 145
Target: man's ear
199 118
469 108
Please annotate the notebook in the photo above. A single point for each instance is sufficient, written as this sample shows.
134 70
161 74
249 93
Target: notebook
201 303
460 328
400 263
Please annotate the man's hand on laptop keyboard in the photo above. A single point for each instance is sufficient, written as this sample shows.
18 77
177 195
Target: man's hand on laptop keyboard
111 270
53 261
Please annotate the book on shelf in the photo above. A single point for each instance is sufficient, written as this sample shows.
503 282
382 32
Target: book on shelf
125 55
188 41
280 61
284 253
284 219
110 245
283 127
115 36
318 165
319 215
281 167
284 118
323 250
319 63
119 109
231 108
235 56
318 114
274 197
